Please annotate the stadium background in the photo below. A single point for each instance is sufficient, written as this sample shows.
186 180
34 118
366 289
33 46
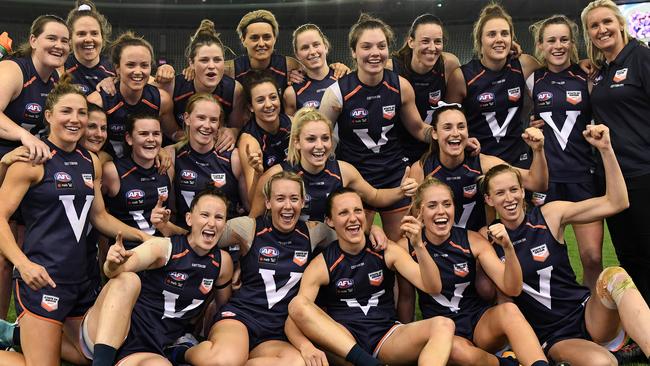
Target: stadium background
168 24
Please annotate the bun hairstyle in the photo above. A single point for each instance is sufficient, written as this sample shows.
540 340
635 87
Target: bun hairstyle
205 35
36 29
127 39
257 16
537 30
366 22
86 8
65 86
491 11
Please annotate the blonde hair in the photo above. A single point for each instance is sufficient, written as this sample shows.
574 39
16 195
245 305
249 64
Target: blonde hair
283 175
484 180
189 108
537 29
430 181
307 27
490 11
300 119
257 16
596 55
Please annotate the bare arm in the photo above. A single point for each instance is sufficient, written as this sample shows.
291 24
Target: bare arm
507 276
456 88
153 253
377 197
237 117
248 146
229 68
332 103
167 121
240 231
257 206
289 99
410 115
451 64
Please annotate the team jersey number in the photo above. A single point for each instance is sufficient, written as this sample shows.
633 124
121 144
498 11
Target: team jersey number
543 296
373 301
499 131
273 294
369 142
467 212
562 135
170 306
77 222
454 303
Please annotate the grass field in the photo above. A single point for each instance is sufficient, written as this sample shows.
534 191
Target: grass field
609 259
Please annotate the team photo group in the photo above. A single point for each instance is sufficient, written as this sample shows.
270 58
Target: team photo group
268 209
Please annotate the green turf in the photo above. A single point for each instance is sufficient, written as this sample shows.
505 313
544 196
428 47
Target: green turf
609 259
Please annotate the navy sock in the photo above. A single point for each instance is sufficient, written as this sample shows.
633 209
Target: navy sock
16 336
103 355
540 363
177 355
358 357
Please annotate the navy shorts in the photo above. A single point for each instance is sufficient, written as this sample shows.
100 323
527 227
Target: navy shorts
259 330
573 326
466 324
572 192
371 337
391 177
55 304
136 344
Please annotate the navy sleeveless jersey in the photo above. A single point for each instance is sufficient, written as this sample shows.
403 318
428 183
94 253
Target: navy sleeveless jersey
318 187
56 215
195 171
310 92
468 201
429 89
458 300
360 291
277 66
550 292
493 108
562 101
173 295
368 137
118 110
28 109
274 147
88 78
138 195
271 271
183 90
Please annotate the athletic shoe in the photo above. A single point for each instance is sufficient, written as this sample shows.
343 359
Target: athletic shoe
182 344
630 353
6 334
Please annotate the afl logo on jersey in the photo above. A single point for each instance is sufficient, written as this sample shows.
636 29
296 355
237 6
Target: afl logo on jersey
50 303
269 255
538 199
300 257
434 97
188 177
63 180
83 88
540 253
33 108
544 98
117 128
461 269
514 94
218 179
620 75
206 285
485 99
176 279
469 191
359 115
376 278
311 104
573 96
135 196
345 286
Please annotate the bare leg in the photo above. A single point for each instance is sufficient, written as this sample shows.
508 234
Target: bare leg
590 247
6 269
464 353
40 341
144 359
227 345
275 353
580 352
427 341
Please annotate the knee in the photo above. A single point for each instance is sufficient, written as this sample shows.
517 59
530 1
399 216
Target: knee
298 308
509 312
156 362
215 355
127 283
440 325
602 359
462 354
591 259
611 284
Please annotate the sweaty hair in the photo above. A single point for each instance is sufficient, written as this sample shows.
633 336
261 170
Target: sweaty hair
330 199
189 108
257 16
209 191
255 78
489 12
595 55
537 29
307 27
127 39
205 35
405 54
64 87
300 119
37 28
484 181
435 118
283 175
86 8
367 22
416 206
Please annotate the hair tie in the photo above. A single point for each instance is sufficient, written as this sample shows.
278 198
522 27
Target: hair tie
84 7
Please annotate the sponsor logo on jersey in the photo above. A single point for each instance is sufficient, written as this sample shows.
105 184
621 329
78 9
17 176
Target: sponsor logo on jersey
388 111
574 96
206 285
163 192
345 286
135 195
269 255
176 279
33 108
544 99
461 269
434 97
300 257
63 180
188 177
620 75
218 179
359 115
83 88
50 303
538 199
469 191
376 278
540 253
311 104
88 180
270 161
227 314
514 94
